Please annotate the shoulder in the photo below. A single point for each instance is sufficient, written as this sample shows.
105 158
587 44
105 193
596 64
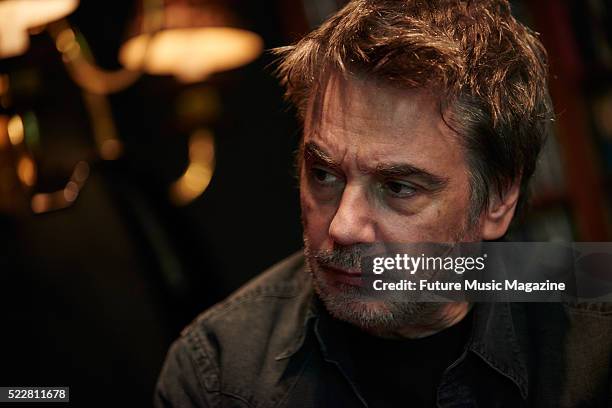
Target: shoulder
570 344
272 302
590 325
584 322
243 340
269 308
286 279
569 315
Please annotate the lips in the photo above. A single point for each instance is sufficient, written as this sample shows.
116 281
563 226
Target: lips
347 276
342 271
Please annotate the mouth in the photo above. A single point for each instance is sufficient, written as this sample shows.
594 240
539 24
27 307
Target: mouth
346 276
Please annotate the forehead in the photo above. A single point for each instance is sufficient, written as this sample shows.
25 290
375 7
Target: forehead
380 123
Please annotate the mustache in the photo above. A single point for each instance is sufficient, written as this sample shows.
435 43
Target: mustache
348 257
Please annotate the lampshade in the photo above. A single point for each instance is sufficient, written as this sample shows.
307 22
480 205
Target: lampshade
17 16
189 39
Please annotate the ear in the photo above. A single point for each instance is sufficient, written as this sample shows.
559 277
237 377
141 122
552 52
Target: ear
496 219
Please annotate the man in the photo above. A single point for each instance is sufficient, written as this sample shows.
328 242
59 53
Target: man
422 123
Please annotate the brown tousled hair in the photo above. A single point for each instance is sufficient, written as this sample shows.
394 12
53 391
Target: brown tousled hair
489 71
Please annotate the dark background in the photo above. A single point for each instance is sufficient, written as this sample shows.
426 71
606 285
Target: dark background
92 295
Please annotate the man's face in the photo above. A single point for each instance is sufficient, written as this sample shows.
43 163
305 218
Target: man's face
379 165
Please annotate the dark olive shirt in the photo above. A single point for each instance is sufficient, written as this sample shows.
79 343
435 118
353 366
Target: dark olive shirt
272 344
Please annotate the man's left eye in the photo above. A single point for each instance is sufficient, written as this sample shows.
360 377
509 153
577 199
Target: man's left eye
399 189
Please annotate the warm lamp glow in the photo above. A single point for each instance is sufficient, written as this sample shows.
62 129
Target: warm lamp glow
190 39
17 16
191 54
26 171
46 202
4 137
15 130
199 172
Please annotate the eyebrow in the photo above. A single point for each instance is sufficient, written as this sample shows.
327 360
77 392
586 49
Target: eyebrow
312 152
406 170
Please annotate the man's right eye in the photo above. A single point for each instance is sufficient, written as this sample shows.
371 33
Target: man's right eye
323 177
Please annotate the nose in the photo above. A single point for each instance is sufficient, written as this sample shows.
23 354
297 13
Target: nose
352 222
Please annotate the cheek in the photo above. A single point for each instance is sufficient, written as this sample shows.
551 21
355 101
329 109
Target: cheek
316 218
440 221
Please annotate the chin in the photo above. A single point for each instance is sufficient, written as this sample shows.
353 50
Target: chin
347 303
365 315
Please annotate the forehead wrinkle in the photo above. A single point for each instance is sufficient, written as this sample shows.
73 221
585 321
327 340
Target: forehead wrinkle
389 121
397 128
378 163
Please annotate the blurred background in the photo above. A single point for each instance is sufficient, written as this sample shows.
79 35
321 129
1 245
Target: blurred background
146 170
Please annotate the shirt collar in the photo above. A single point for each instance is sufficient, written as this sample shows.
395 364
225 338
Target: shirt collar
494 338
293 343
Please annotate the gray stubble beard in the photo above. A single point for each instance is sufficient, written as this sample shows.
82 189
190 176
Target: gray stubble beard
350 304
385 318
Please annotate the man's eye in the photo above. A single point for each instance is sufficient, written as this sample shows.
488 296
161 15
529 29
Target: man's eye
323 176
400 189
